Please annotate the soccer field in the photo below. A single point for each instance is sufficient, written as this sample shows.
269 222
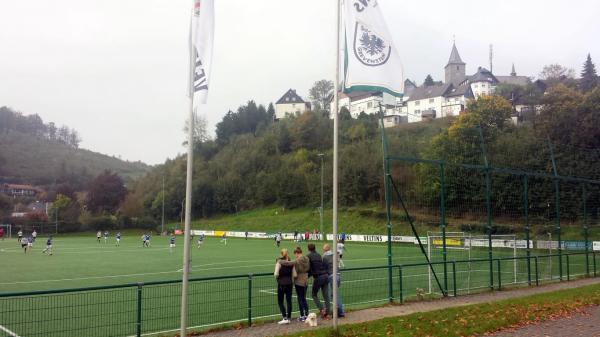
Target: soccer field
83 262
80 261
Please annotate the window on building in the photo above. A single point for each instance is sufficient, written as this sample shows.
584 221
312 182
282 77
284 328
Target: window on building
287 99
417 112
431 100
417 103
475 85
369 105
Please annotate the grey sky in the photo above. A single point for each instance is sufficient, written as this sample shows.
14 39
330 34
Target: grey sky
116 70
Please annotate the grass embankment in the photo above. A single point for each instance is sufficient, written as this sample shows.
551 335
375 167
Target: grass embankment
368 219
475 320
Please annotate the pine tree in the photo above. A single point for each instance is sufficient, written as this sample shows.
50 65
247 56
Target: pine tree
428 81
589 77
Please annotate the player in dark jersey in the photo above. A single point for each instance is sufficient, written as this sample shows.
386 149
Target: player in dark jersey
48 248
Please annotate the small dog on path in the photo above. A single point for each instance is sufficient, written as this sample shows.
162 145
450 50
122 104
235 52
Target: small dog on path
311 319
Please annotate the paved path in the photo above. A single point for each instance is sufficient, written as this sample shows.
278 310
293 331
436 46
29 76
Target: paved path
360 316
579 325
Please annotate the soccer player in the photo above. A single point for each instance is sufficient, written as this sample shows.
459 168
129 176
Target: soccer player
118 237
48 248
147 240
246 234
340 250
224 238
144 240
29 242
98 235
200 240
278 239
172 243
24 244
19 235
33 235
105 237
2 233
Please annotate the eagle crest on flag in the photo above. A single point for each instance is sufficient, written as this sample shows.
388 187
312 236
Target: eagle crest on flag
369 48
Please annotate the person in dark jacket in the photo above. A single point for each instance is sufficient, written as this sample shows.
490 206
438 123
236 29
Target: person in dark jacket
285 281
320 281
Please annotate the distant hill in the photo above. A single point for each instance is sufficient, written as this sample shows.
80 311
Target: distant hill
27 158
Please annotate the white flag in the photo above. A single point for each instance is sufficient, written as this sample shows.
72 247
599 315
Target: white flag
201 47
371 61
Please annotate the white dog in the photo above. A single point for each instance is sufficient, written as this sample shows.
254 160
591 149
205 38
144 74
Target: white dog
311 319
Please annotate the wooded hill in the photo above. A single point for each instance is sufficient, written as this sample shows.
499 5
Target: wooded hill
33 152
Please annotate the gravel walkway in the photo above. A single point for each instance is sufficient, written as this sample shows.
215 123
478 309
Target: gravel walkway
360 316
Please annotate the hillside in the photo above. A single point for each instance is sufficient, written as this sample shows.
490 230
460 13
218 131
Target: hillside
26 158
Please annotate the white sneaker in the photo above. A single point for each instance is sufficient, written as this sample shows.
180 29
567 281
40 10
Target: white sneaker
284 321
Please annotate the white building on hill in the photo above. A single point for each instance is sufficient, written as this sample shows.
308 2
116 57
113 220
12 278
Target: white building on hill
290 104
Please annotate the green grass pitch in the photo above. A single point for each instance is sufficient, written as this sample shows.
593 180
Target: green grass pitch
80 261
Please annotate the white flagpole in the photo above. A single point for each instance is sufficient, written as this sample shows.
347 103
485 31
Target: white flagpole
335 164
188 201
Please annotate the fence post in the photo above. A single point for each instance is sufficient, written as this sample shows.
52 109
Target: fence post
537 280
488 203
527 229
568 269
401 288
499 275
454 276
594 258
249 300
585 232
557 208
443 223
140 285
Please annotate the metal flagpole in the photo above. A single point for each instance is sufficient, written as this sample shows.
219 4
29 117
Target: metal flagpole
335 165
188 201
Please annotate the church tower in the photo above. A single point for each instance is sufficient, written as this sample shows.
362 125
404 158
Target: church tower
456 68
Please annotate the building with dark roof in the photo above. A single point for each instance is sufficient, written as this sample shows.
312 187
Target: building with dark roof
455 70
437 101
290 104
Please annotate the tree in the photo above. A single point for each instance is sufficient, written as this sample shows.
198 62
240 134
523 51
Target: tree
589 77
106 192
320 95
64 134
428 81
200 134
74 138
554 74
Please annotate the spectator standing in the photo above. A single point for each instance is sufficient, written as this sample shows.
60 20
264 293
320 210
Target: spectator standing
318 272
285 279
328 261
302 266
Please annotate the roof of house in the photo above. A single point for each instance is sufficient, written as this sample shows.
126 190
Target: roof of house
461 90
482 75
409 87
290 97
454 56
517 80
430 91
21 187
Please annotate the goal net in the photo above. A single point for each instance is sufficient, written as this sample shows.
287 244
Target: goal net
472 253
7 230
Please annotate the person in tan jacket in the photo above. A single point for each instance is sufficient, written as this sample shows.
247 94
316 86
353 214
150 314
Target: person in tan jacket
301 265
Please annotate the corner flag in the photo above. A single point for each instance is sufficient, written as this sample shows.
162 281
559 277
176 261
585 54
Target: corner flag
201 47
371 62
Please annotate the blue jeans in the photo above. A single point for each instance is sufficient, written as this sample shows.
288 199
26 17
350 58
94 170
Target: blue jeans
340 306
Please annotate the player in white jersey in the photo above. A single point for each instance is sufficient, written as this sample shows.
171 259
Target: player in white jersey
200 240
98 235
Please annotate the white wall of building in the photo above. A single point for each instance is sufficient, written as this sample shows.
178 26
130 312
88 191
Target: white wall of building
482 88
291 109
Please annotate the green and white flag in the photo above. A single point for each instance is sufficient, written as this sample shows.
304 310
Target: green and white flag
371 62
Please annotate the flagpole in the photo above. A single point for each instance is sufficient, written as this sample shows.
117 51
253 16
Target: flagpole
335 165
188 201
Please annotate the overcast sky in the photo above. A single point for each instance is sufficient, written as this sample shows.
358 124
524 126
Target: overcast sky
116 70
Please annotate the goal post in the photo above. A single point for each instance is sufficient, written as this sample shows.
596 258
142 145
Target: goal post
461 246
7 230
